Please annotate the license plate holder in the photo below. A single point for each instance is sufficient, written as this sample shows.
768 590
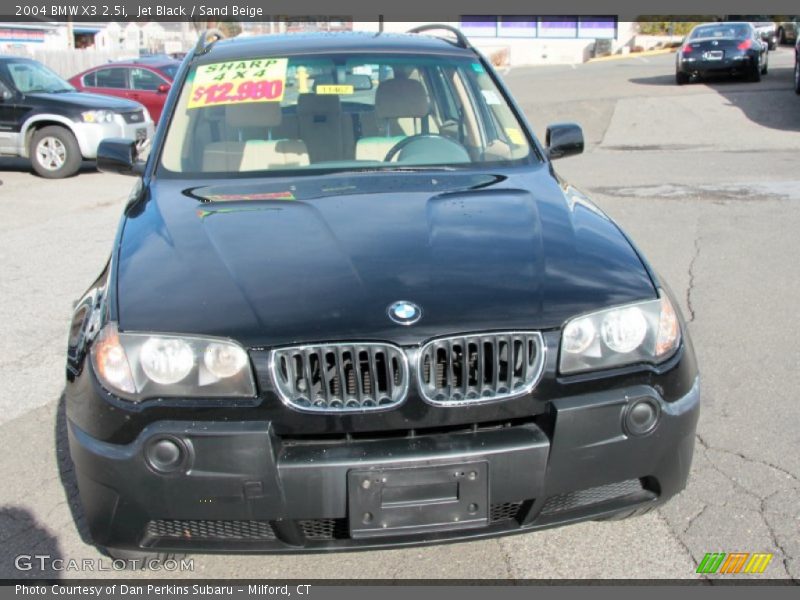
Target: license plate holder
713 55
414 500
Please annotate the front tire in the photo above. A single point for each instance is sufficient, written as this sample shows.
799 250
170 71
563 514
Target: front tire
54 152
755 73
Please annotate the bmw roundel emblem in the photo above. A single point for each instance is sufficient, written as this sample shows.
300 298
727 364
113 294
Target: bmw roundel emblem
404 313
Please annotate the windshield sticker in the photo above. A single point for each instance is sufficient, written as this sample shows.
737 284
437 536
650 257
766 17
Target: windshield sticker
260 196
239 82
491 97
478 68
515 136
334 89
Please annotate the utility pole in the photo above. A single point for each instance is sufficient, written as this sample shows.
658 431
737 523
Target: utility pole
70 34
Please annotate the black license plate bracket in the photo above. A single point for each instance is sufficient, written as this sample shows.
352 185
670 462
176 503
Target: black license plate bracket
420 499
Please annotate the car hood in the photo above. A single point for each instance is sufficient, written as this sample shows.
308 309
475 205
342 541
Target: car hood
273 263
87 101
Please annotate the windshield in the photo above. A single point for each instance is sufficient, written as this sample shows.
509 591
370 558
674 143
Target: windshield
340 112
30 77
721 31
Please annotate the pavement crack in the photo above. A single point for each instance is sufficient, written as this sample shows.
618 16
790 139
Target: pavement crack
694 518
706 446
762 500
680 540
690 288
506 560
762 510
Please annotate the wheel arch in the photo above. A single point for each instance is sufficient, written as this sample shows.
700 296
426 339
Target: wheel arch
36 122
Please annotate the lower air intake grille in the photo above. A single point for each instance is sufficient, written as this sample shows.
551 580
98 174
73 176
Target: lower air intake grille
340 377
211 530
504 512
325 529
587 497
480 368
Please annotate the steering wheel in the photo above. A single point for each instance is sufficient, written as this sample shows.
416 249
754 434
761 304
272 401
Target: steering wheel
422 137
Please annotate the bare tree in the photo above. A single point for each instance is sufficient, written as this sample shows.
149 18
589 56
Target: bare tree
229 28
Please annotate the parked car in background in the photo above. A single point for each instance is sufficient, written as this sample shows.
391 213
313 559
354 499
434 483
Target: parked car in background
146 80
45 119
728 48
797 67
763 24
787 30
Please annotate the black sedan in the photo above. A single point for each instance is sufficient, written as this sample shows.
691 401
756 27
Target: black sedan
722 48
339 320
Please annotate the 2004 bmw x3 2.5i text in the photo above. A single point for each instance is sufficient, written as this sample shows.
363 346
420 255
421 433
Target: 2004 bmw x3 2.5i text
351 305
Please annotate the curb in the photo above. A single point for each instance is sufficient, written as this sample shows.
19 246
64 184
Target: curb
633 55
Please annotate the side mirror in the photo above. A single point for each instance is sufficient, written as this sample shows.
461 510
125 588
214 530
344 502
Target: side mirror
119 155
563 139
163 88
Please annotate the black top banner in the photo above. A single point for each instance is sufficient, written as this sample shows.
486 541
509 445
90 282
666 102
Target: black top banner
358 10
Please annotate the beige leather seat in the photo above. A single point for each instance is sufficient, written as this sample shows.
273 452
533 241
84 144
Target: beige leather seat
395 99
253 148
321 125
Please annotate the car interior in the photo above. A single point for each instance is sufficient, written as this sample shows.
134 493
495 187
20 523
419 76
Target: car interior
399 113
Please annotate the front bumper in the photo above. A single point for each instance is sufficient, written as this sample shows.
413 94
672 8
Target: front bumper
242 487
89 135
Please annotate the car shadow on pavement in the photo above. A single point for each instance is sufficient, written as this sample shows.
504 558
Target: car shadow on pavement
770 103
29 549
20 165
66 472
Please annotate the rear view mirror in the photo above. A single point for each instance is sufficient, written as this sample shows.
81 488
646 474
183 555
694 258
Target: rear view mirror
359 81
119 155
563 139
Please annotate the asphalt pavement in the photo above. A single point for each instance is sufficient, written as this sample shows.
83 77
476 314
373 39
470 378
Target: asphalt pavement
704 178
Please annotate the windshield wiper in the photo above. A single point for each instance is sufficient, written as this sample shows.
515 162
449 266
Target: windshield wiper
46 91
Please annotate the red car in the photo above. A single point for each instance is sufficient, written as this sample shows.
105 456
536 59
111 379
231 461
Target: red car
145 80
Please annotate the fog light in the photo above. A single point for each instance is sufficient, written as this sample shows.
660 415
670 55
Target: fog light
165 455
642 416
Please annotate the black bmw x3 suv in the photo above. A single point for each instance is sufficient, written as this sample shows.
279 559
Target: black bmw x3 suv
351 305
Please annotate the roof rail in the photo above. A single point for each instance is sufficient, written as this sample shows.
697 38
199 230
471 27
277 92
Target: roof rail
461 39
206 40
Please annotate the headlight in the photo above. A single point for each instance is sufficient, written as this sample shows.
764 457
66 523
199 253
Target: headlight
641 332
97 116
137 366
